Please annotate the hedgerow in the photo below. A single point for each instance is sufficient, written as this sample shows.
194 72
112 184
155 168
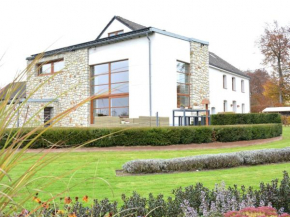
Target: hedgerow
208 162
250 118
156 136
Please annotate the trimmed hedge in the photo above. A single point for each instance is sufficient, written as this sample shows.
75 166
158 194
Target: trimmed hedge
251 118
208 162
157 136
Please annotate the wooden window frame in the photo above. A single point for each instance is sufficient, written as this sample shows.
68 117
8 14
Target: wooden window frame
183 94
39 66
225 82
109 95
115 32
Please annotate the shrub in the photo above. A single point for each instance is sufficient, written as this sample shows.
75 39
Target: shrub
208 162
157 136
256 212
192 201
251 118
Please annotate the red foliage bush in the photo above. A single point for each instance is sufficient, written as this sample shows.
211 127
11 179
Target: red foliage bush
256 212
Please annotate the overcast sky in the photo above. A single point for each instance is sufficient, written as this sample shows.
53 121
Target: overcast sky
231 26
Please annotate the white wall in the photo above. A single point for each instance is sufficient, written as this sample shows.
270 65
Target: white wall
116 25
136 51
218 94
165 51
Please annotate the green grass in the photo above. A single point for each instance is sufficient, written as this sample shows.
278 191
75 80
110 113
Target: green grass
104 164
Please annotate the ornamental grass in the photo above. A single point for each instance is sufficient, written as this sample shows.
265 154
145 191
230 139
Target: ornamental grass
16 191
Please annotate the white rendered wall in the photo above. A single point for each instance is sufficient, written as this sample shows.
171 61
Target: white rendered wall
116 25
218 94
136 51
165 51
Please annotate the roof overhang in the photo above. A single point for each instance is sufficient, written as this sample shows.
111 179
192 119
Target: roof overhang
96 43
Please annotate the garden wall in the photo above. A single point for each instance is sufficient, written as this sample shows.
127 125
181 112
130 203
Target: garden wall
156 136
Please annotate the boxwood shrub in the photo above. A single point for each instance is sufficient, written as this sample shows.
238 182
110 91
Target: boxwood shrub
208 162
156 136
251 118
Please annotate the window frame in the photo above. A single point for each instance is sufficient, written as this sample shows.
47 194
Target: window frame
242 86
225 82
39 67
234 106
109 95
225 105
183 94
234 84
116 33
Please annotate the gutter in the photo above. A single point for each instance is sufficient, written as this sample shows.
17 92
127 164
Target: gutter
173 35
150 86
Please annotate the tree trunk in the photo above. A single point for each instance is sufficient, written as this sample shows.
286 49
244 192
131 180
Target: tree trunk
280 82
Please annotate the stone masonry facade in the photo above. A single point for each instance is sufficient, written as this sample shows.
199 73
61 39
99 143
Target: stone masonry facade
199 69
68 87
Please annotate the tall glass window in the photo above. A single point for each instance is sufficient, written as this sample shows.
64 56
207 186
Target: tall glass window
183 84
110 82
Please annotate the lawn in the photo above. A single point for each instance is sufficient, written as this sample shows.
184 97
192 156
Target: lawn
104 164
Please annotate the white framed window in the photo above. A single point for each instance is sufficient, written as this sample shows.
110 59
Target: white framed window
224 81
233 83
243 86
225 106
243 108
234 106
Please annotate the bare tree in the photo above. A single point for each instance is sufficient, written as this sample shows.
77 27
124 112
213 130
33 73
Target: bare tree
275 46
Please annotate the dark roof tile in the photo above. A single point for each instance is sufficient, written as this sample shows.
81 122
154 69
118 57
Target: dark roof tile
218 62
19 90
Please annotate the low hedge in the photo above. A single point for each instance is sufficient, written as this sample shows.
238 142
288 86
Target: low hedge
251 118
208 162
156 136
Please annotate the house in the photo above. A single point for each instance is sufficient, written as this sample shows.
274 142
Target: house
136 71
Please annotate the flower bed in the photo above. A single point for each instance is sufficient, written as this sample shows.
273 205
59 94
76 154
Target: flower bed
192 201
208 162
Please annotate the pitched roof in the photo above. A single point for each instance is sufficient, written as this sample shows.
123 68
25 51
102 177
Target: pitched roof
218 62
97 42
19 90
131 25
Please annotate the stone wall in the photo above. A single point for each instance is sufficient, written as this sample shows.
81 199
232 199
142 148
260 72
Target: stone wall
70 87
199 63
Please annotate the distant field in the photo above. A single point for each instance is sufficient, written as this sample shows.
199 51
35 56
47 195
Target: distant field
104 164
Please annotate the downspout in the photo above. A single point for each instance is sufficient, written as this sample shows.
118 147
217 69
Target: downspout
150 88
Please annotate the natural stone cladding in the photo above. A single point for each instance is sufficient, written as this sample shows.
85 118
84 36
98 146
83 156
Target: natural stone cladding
199 80
69 87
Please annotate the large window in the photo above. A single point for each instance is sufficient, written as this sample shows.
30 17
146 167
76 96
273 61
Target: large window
50 67
183 84
110 81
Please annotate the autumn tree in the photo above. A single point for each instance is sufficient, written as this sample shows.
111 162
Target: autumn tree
275 46
258 80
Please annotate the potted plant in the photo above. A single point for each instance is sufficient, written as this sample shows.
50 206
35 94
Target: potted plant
181 106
